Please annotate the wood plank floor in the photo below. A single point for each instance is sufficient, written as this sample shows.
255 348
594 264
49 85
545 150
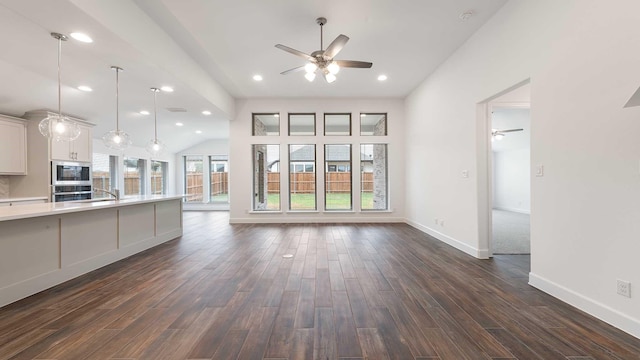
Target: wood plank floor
366 291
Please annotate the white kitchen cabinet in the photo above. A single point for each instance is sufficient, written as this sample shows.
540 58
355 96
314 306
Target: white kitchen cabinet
13 146
76 150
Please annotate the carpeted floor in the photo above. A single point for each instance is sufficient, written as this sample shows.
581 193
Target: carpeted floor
511 234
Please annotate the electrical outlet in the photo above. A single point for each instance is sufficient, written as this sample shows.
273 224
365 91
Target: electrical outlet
441 222
624 288
465 174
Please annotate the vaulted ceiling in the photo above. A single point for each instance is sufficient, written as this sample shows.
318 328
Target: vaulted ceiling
208 51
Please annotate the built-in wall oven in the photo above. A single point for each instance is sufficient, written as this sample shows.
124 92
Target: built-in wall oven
70 181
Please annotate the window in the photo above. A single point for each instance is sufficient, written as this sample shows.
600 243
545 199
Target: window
373 180
373 124
302 167
219 178
158 177
134 173
302 184
193 178
302 124
266 124
104 174
337 183
337 124
266 179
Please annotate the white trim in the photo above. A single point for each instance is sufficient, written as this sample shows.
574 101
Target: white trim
521 211
588 305
314 220
477 253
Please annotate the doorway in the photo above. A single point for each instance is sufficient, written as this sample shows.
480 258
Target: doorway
510 176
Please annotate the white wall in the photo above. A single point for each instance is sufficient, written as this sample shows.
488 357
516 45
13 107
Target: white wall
241 177
511 160
511 180
583 63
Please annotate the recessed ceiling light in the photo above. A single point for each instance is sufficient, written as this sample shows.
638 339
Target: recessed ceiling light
198 132
144 112
206 112
85 88
382 77
167 89
257 77
81 37
179 124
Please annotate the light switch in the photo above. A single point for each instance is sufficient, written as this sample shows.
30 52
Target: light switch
539 170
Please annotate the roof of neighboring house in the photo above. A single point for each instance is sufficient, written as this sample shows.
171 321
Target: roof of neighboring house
336 153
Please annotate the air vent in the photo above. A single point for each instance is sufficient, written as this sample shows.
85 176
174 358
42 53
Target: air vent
177 109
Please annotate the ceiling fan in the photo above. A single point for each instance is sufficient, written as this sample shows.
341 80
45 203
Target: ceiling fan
322 60
499 134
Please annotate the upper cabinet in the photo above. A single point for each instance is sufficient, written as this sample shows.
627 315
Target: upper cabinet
13 146
77 150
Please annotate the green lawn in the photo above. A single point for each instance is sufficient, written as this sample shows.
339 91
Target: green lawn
335 201
220 198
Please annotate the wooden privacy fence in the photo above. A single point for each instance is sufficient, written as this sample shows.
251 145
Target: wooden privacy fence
219 185
303 183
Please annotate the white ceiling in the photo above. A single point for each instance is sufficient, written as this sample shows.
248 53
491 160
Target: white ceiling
209 51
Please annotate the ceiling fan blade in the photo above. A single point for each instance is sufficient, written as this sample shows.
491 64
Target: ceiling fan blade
295 69
509 130
334 48
354 64
295 52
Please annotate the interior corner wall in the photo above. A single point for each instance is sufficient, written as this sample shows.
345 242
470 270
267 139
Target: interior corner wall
241 178
582 63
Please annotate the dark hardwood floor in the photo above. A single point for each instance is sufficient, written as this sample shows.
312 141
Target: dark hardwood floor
365 291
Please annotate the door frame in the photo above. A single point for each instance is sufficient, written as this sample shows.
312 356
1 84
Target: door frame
485 164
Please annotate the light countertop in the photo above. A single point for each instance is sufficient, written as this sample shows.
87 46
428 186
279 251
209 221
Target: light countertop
23 199
46 209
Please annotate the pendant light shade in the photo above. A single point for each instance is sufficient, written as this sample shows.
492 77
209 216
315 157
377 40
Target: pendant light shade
155 147
116 139
57 126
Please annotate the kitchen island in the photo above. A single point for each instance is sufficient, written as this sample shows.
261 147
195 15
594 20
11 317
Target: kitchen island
42 245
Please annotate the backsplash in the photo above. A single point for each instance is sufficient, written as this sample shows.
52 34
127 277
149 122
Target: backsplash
4 187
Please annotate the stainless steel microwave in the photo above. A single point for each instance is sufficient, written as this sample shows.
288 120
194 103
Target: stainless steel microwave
70 173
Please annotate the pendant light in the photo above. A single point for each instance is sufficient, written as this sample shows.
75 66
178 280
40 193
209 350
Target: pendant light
56 126
155 147
116 139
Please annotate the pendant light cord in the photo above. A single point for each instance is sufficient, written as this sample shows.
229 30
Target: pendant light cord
155 117
117 103
155 114
59 77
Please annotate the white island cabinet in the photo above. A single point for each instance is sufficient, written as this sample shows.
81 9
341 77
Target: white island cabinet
42 245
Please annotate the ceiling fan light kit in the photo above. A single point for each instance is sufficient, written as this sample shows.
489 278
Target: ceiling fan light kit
323 60
499 134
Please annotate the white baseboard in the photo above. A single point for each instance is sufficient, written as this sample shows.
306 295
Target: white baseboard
516 210
298 219
588 305
475 252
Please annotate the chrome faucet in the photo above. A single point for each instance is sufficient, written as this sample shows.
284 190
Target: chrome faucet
115 193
